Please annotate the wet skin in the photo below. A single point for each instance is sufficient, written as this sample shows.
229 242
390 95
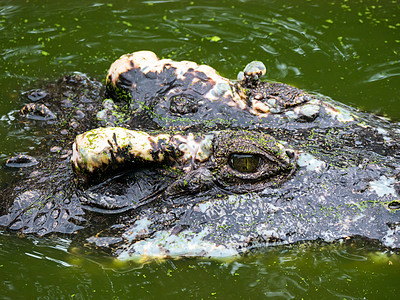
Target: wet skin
282 165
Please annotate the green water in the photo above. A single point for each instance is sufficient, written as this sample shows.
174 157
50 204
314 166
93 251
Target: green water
44 269
348 50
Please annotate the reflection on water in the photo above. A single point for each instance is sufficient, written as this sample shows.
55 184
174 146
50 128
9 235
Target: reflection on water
347 50
348 270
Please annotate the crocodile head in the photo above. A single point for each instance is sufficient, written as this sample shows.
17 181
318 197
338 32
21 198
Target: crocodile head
179 161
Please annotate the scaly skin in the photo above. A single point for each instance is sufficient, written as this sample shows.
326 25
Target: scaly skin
284 165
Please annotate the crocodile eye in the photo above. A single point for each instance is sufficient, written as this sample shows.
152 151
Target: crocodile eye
244 163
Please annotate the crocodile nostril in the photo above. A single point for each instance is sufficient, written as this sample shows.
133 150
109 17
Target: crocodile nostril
394 204
37 95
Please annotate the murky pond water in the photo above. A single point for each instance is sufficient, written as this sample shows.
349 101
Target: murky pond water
348 50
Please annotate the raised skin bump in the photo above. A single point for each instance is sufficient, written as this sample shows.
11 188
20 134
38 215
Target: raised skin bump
102 150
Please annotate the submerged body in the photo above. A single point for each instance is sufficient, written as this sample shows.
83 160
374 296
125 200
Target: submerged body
189 163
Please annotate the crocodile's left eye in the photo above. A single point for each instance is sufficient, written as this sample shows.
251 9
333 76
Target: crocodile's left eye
244 163
247 161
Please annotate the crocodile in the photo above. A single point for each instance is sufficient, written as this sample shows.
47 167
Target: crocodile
170 159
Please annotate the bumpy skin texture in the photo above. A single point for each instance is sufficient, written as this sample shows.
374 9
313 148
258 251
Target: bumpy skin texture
345 182
240 161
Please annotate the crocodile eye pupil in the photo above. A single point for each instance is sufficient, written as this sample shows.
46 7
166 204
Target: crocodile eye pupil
244 163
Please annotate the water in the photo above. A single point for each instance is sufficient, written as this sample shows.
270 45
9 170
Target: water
348 50
44 269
